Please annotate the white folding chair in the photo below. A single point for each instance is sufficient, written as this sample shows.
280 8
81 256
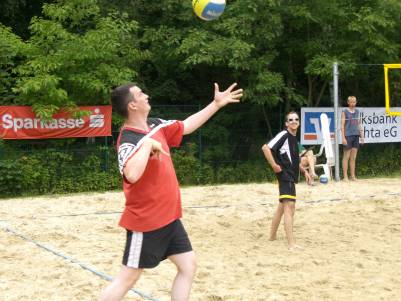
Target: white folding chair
326 146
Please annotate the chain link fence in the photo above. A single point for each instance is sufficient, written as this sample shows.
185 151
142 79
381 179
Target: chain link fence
213 154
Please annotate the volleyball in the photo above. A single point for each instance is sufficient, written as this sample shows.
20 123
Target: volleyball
208 9
323 179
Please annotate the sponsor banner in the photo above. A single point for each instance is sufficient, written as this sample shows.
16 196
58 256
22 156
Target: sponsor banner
377 126
19 122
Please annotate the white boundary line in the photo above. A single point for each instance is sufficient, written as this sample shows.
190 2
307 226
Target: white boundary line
72 260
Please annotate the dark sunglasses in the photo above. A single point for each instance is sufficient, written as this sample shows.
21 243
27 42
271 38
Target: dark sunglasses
291 119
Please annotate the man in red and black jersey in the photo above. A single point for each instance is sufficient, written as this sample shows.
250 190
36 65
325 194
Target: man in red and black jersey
282 154
153 202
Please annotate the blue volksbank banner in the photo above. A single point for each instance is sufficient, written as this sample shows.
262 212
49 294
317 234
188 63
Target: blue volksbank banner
377 126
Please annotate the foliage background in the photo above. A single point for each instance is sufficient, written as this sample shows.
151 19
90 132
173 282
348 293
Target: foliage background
63 53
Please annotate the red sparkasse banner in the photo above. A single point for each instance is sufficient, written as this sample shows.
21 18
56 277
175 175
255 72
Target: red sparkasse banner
19 122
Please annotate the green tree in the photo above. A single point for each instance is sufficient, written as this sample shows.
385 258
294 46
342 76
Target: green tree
17 14
349 32
74 56
10 51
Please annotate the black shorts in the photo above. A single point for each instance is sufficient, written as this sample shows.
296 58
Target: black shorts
352 142
287 191
147 249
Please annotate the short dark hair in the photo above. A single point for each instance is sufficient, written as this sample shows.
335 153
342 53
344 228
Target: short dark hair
120 98
289 113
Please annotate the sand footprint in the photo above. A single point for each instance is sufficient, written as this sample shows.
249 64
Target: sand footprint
202 275
214 298
224 224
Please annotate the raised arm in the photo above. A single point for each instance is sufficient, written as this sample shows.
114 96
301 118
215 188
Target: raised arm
195 121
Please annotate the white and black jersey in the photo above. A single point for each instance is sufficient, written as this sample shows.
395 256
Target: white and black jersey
284 148
130 140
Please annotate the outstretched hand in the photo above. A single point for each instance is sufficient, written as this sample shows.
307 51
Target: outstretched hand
228 96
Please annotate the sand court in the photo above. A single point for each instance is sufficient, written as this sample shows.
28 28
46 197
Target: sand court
350 232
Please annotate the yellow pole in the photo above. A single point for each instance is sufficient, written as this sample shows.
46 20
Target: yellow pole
387 88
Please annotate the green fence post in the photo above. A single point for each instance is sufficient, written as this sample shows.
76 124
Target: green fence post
106 156
1 148
200 149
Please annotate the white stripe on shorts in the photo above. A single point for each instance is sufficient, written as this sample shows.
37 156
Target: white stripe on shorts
135 249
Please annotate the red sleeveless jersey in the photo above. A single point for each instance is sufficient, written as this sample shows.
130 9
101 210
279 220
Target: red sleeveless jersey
154 200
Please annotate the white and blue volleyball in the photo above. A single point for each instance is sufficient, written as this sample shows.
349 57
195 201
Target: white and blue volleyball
324 179
208 9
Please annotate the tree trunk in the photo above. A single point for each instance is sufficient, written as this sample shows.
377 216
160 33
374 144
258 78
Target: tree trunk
321 93
310 96
269 127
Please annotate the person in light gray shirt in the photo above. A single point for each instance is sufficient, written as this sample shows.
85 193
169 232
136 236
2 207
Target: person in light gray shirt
352 135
